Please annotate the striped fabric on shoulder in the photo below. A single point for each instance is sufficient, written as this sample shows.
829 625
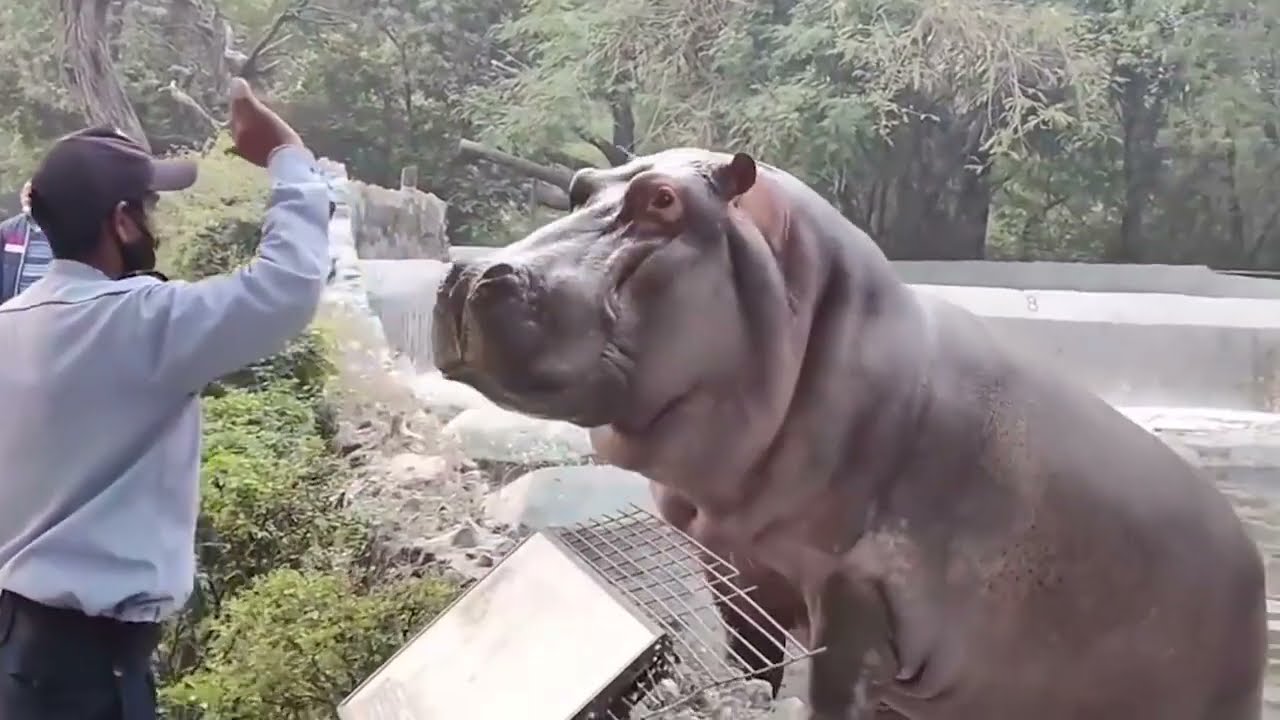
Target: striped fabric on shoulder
38 257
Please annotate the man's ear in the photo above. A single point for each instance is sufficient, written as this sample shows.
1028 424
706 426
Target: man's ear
736 177
123 223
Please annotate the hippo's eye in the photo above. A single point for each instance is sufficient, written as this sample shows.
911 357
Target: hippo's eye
663 199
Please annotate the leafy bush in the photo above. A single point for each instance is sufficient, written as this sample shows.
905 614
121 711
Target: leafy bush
304 364
295 643
216 248
220 213
269 484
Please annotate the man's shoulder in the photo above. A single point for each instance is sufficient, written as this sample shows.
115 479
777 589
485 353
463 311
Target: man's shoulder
55 290
15 226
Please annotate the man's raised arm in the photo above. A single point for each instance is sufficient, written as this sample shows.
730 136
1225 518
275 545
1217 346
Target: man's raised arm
200 331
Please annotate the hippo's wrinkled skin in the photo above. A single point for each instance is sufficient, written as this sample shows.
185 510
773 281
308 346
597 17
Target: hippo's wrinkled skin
969 536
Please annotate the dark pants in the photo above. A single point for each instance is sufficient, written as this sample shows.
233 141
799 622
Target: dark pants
62 665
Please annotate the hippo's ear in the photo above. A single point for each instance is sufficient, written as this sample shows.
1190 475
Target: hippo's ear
735 178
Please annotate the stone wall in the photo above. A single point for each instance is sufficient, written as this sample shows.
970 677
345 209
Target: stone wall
397 224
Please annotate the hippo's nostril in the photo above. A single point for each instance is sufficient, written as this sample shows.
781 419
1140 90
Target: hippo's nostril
497 271
499 280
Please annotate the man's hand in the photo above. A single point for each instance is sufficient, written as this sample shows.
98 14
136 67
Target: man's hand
255 128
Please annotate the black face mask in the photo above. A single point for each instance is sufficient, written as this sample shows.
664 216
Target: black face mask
139 257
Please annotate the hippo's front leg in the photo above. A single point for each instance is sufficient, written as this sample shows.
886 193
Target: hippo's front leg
850 622
757 622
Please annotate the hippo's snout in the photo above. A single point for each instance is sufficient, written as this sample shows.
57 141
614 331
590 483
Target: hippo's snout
483 319
531 339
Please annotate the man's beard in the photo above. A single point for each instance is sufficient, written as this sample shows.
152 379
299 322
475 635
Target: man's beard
139 256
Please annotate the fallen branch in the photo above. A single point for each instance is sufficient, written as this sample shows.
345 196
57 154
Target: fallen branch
549 195
557 176
182 98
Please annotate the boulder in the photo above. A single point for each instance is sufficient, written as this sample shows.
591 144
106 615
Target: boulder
446 399
493 435
566 495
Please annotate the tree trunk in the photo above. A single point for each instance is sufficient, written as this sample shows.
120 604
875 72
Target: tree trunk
933 198
624 126
1137 135
91 74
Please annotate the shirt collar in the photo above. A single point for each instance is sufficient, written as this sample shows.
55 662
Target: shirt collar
75 270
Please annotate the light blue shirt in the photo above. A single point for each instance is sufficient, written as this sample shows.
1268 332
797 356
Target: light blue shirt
99 408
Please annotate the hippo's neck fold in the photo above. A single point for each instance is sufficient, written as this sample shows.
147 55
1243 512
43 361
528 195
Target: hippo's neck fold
861 390
811 430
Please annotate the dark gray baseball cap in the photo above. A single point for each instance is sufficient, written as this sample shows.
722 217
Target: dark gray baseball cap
95 169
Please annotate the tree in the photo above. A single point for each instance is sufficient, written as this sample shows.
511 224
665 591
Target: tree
896 111
91 71
1118 130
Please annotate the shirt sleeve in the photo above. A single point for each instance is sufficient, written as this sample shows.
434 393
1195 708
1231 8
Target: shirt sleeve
200 331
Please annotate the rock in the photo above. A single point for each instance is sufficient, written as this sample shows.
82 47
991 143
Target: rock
464 536
410 468
491 434
566 495
467 549
789 709
749 700
757 693
446 399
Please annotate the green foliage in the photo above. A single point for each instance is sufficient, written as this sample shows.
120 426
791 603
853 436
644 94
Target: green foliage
269 485
214 226
295 643
385 87
1077 129
34 105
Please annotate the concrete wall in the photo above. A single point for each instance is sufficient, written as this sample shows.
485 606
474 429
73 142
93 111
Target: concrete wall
397 224
1142 348
1087 277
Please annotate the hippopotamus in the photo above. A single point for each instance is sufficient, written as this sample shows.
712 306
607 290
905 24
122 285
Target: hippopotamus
962 532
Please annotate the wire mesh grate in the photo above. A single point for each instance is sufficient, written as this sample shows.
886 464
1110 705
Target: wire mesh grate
678 584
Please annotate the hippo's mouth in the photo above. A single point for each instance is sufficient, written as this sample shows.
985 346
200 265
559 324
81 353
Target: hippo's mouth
500 342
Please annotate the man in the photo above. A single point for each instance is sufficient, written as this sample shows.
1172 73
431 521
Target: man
26 251
100 438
